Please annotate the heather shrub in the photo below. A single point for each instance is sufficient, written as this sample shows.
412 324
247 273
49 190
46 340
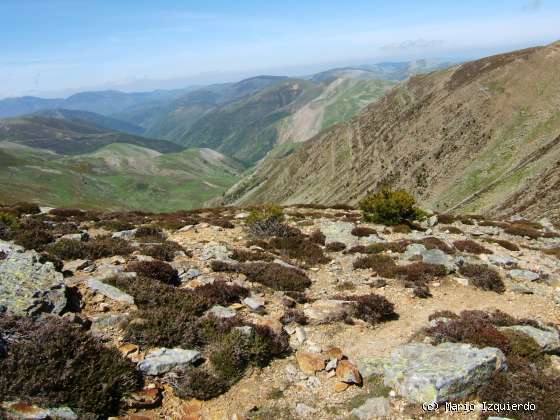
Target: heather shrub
34 238
275 276
9 220
510 246
149 233
243 255
401 228
155 270
293 316
471 247
221 293
382 264
452 229
418 273
230 355
57 364
372 308
66 212
431 242
362 231
68 249
267 221
298 248
524 385
483 277
115 225
105 246
390 207
446 219
522 230
22 208
469 328
199 383
164 251
335 246
317 237
555 252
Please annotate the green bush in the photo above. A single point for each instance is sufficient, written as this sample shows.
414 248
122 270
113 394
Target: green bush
390 207
268 221
54 363
9 220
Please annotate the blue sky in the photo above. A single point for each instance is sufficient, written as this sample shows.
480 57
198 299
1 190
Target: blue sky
55 47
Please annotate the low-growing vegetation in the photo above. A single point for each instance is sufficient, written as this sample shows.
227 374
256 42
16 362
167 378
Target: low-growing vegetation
275 276
483 277
51 362
390 207
371 308
155 270
363 231
471 247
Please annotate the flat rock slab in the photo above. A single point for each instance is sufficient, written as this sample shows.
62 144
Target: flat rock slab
502 260
163 360
322 311
548 340
523 275
423 373
109 291
342 232
222 312
213 251
28 287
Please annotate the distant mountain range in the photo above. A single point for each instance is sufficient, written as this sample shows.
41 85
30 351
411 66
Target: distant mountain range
172 149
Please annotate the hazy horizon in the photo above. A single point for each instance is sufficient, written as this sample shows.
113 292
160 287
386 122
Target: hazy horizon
61 47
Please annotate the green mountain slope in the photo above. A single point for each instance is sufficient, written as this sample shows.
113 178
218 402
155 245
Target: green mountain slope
117 176
469 138
71 136
92 118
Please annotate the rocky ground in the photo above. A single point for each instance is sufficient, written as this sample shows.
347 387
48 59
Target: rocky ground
346 356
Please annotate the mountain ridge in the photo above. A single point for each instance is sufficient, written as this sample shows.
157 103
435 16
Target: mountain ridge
445 136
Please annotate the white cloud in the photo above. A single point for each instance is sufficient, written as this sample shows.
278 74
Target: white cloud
410 44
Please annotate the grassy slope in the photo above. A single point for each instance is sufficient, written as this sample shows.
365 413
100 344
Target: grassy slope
115 177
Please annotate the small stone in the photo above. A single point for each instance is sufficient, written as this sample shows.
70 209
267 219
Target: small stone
124 234
242 215
521 288
163 360
192 273
255 304
348 372
109 291
300 334
309 363
331 365
340 386
502 260
222 312
523 275
373 408
432 221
